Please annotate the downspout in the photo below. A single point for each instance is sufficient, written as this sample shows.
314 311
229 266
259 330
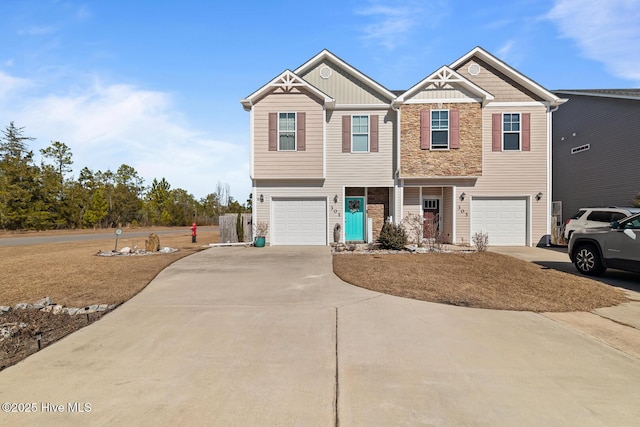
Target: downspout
550 111
397 204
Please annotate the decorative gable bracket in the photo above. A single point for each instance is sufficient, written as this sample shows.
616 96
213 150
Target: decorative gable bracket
287 81
445 78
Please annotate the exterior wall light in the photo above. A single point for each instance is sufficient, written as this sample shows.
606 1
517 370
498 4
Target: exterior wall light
335 199
261 198
539 196
462 196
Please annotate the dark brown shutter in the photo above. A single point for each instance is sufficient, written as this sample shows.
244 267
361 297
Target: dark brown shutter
425 129
496 132
273 131
346 134
454 129
373 132
526 132
301 131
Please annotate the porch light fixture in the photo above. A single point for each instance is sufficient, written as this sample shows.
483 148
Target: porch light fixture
462 196
539 196
335 199
261 198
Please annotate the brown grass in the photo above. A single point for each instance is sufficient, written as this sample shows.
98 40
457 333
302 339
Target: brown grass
72 275
481 280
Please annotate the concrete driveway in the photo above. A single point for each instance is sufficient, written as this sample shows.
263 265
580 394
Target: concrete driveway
246 336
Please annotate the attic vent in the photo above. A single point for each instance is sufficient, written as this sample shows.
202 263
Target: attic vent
325 72
474 69
580 148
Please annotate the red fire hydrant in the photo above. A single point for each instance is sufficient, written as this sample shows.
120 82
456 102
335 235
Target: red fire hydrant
193 232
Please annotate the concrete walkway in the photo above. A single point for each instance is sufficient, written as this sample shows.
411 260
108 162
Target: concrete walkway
617 326
246 336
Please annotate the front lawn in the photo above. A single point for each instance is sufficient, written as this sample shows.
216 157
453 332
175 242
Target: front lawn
480 280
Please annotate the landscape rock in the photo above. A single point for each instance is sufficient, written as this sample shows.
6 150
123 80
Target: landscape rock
125 250
23 306
102 307
71 311
153 243
42 303
5 308
57 309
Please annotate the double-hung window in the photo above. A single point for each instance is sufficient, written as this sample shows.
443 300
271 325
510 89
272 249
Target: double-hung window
360 134
439 129
287 131
511 131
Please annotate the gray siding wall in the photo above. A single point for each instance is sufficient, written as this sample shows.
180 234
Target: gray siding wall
608 174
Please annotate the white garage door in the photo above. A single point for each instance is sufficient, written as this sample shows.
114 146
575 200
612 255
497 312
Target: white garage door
299 222
504 219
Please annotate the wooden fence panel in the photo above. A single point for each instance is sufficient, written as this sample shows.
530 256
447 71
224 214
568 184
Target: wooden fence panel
228 228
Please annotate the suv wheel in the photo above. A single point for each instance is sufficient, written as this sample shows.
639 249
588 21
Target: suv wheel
587 260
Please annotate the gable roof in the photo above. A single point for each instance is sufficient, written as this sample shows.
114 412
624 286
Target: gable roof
443 76
325 55
605 93
516 76
286 80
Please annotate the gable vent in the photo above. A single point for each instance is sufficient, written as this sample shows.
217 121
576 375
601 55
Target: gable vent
474 69
325 72
580 148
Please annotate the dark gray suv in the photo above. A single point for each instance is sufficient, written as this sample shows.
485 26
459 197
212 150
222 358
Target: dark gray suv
592 251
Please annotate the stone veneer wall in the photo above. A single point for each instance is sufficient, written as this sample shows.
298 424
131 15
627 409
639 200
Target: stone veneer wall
463 161
378 208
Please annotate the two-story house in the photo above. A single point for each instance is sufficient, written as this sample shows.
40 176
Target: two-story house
334 153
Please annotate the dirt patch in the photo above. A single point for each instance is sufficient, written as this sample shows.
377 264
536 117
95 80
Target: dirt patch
480 280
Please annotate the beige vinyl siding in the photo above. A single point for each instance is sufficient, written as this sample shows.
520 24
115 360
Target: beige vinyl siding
496 83
411 203
288 164
448 94
361 169
343 87
512 173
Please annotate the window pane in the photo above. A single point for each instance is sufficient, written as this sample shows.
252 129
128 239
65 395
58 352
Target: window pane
511 141
439 120
360 124
287 141
287 122
440 139
360 143
511 122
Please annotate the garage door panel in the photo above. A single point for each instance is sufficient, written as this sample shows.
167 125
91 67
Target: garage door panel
504 220
299 222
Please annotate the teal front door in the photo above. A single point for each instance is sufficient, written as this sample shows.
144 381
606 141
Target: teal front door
354 218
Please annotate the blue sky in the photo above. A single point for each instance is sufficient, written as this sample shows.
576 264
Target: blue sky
156 84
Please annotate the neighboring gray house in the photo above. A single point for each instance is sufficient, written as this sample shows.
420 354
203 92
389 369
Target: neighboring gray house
596 149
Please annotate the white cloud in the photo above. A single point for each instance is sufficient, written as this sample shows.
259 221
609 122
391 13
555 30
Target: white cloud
391 24
10 84
108 125
607 32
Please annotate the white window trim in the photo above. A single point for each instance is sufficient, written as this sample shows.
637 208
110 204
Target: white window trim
295 130
368 133
448 131
519 132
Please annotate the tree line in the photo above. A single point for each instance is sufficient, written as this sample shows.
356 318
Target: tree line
48 196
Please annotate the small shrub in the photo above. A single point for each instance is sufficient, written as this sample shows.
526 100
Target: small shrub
392 236
481 241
